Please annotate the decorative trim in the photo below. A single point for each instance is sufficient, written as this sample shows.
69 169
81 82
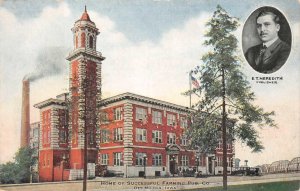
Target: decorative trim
134 97
49 102
128 139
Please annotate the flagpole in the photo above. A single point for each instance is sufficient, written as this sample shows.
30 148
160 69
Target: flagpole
190 83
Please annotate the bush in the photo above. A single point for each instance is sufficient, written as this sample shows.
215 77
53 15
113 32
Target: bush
19 170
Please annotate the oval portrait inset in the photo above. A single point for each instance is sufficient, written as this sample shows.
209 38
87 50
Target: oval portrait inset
266 40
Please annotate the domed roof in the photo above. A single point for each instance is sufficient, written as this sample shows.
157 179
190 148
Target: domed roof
85 16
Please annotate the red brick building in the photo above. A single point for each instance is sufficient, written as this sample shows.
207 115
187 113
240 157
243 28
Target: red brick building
122 131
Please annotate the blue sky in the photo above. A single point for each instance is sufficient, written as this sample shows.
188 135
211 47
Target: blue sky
150 46
135 17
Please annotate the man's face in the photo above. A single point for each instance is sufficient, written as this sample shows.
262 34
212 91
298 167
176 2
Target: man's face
266 27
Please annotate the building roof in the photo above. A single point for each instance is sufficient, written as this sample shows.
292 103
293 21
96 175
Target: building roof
135 97
85 16
48 102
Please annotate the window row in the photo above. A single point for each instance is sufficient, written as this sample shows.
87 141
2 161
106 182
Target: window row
141 136
219 161
220 145
141 159
141 115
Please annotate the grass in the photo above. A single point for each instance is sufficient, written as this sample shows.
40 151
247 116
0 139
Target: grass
271 186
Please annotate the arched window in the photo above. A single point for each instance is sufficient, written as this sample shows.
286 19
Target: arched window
82 40
91 42
76 41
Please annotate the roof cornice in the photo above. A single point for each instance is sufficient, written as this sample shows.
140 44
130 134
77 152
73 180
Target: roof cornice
144 99
48 102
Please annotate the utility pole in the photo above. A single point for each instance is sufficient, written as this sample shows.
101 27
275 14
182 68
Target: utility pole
224 136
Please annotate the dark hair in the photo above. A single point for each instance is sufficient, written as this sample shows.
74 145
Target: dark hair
269 12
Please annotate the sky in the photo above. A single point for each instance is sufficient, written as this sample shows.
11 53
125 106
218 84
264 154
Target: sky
150 46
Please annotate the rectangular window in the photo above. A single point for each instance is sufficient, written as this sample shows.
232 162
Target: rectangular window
140 114
157 117
171 138
117 159
228 146
104 159
118 113
139 158
220 144
171 120
103 117
91 137
48 136
141 135
62 136
46 127
184 140
104 136
45 139
183 122
219 161
156 159
118 134
184 160
36 133
156 136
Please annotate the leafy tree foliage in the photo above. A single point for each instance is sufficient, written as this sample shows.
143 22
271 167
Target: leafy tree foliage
19 170
242 115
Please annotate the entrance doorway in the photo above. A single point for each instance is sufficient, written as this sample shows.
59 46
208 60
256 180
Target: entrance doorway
172 158
173 167
210 170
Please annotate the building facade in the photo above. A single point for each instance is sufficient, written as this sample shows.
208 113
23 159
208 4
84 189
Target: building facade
129 134
53 142
137 130
34 137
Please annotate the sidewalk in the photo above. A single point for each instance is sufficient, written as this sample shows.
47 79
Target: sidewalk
149 184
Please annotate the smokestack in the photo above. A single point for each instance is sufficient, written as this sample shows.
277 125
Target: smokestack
25 115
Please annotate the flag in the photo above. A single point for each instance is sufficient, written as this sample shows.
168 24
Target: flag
195 82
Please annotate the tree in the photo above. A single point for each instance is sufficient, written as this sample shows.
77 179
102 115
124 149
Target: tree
226 102
19 170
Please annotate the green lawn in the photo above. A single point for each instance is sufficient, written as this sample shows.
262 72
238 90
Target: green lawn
272 186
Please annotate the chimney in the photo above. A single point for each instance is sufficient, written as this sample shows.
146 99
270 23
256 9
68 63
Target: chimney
25 115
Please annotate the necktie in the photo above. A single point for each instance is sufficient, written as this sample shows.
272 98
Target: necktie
261 57
262 50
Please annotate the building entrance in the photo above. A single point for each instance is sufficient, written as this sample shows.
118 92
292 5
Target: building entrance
210 169
172 158
173 167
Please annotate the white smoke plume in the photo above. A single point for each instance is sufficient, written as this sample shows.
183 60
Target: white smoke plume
50 61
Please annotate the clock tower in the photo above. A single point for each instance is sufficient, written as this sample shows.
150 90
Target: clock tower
84 90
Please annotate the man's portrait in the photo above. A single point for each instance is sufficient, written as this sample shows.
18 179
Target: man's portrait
270 44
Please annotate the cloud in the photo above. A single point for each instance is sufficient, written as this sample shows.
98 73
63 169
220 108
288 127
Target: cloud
25 48
139 67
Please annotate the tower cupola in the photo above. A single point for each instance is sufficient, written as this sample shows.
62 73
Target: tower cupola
85 33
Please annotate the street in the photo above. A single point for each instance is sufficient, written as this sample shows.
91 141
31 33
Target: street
128 184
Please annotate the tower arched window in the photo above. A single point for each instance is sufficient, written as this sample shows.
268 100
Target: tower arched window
91 40
82 40
76 41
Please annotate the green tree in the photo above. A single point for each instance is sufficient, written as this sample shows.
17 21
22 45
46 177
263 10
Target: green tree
8 172
17 171
226 101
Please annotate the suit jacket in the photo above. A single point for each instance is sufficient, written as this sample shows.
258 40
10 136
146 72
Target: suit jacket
273 58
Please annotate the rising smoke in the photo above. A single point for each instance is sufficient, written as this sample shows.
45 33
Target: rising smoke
50 62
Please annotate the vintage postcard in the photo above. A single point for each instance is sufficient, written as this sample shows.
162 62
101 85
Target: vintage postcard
149 95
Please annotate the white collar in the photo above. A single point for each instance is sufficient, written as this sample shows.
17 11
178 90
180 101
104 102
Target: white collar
267 44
